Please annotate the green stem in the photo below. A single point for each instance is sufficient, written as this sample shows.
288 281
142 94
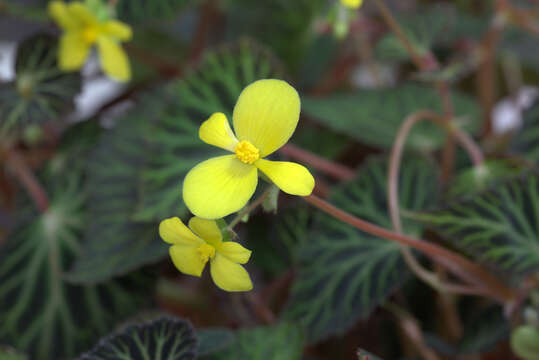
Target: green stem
249 208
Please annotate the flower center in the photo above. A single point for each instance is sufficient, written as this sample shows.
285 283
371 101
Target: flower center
246 152
206 252
89 35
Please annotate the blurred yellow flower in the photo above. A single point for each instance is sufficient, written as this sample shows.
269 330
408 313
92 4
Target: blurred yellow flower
82 30
264 118
193 247
353 4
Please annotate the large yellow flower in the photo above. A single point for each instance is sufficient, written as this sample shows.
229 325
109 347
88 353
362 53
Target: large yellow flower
264 118
192 248
82 30
353 4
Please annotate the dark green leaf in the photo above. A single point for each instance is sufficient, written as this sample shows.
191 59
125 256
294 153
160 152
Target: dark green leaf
150 10
40 92
483 330
345 273
162 339
115 244
374 116
526 141
212 340
278 342
10 354
40 312
498 227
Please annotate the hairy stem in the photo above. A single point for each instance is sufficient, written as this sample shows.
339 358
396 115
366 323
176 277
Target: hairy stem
483 279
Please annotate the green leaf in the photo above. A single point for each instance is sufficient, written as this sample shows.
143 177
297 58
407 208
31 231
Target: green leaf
40 92
150 10
162 339
10 354
40 312
175 147
114 243
278 342
526 141
498 227
525 342
373 117
483 330
346 273
212 340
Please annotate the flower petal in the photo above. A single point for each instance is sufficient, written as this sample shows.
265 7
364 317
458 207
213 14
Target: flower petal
353 4
228 275
217 132
117 29
73 51
219 186
187 259
266 114
81 13
173 231
113 59
290 177
60 13
206 229
234 252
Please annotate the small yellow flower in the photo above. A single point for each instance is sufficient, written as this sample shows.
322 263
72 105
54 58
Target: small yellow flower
82 30
352 4
192 248
264 118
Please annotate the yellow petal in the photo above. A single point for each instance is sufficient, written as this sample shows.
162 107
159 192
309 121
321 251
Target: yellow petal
234 252
59 12
290 177
187 259
117 29
219 186
353 4
173 231
113 59
206 229
266 114
80 13
228 275
217 132
73 51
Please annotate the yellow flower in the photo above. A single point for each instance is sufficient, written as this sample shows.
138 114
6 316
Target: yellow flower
192 248
353 4
264 118
82 30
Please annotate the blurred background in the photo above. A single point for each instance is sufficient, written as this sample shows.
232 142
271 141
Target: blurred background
89 167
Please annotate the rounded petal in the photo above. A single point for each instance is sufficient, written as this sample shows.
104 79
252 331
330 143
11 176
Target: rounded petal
219 186
187 259
228 275
353 4
292 178
118 30
113 59
59 12
173 231
234 252
217 132
266 114
206 229
80 13
73 51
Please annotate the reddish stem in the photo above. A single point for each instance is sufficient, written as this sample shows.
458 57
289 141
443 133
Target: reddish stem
328 167
489 283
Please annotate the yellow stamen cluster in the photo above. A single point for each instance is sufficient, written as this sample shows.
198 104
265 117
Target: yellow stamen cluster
89 35
246 152
206 252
